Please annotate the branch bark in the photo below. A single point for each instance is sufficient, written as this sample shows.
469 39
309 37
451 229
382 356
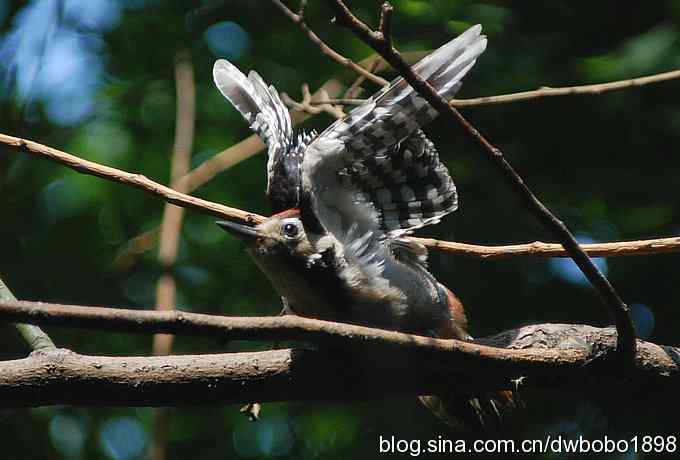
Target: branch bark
35 337
547 356
325 49
617 309
544 92
210 168
540 93
135 180
541 249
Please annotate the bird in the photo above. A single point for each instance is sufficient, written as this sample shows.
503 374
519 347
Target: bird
344 200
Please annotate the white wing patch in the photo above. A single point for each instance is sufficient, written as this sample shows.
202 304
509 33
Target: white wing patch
262 108
382 173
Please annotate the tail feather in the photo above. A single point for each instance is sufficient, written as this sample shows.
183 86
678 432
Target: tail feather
483 413
467 412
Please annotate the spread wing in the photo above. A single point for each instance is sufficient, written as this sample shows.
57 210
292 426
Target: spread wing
375 169
262 108
407 187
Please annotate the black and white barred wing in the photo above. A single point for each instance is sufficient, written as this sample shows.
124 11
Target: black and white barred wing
375 166
408 187
262 108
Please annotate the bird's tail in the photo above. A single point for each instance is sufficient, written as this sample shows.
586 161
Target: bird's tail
481 413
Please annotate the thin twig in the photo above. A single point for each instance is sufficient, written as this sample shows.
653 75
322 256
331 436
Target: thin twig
344 101
624 248
135 180
307 104
617 308
523 96
248 147
35 337
540 249
375 63
325 49
301 9
210 168
385 25
594 89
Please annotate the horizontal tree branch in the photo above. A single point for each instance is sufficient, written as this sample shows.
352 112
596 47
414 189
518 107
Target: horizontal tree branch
523 96
267 328
623 248
544 356
35 337
540 93
540 249
512 347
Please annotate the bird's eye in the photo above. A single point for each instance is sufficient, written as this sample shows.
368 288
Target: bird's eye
290 230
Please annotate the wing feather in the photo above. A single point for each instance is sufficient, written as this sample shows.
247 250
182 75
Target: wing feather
266 114
374 168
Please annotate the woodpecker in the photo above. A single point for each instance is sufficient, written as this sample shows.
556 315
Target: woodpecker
343 200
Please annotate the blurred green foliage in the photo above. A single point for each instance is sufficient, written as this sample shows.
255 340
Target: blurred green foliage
608 165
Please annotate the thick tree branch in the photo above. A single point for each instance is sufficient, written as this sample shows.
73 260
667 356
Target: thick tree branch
547 356
624 248
618 310
268 328
35 337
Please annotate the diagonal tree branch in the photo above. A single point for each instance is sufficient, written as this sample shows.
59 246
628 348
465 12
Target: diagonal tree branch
35 337
210 168
540 249
325 49
618 310
375 63
135 180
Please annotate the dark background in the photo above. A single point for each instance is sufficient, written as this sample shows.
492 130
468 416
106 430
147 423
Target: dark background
95 78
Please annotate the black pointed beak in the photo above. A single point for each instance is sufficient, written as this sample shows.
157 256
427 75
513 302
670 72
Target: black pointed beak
243 232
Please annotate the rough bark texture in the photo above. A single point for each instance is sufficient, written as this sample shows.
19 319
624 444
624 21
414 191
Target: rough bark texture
543 356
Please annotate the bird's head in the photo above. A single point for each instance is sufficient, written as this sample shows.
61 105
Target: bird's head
281 235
